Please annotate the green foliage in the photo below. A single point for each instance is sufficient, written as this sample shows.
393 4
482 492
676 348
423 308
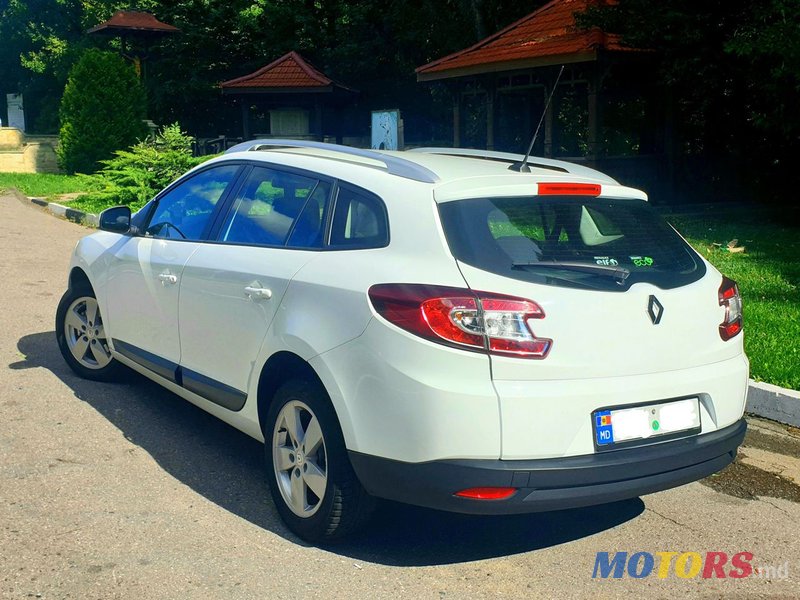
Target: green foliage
768 275
41 40
134 176
370 44
102 110
732 70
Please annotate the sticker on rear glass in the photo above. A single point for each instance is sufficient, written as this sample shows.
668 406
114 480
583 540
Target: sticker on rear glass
606 261
642 261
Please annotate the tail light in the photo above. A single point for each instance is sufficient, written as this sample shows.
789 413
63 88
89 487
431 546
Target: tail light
461 318
729 298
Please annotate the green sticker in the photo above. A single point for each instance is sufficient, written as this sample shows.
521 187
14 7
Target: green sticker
642 261
655 425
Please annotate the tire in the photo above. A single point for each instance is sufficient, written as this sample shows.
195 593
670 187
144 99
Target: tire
318 495
81 336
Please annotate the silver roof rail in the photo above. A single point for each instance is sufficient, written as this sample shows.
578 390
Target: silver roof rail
533 161
394 165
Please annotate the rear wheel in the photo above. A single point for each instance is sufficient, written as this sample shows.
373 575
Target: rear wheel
311 480
81 335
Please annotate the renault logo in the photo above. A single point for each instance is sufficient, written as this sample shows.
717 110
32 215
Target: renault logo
655 310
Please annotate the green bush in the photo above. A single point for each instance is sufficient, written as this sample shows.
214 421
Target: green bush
134 176
102 110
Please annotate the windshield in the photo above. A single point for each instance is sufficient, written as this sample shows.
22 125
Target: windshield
561 240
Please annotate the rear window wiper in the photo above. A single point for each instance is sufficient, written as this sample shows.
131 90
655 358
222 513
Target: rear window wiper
618 273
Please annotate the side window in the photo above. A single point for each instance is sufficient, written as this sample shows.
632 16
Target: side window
359 221
185 211
275 208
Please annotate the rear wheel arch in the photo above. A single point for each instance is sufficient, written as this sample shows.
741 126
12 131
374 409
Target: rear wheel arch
280 368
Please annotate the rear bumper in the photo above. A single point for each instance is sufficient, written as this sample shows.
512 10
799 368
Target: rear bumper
555 483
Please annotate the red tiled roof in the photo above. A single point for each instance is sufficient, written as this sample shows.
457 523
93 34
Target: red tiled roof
289 71
549 32
128 20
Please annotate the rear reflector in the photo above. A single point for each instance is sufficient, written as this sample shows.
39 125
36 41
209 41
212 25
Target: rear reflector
487 493
461 318
569 189
729 298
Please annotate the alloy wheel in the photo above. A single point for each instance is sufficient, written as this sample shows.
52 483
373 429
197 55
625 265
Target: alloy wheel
85 335
299 458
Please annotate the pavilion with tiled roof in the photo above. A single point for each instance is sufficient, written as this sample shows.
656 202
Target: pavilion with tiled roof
288 85
131 22
500 86
548 36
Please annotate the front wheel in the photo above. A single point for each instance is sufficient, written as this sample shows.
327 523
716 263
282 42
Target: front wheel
81 336
310 477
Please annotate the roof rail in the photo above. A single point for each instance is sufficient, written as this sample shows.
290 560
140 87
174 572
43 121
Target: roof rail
394 165
543 163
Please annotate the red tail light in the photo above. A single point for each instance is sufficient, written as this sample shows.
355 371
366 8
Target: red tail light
729 298
461 318
569 189
487 493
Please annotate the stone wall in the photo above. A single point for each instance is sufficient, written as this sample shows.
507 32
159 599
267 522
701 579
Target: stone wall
27 154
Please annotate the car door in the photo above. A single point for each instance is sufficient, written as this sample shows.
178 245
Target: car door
144 272
232 286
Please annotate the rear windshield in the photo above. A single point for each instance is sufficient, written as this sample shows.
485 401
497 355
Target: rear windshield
570 241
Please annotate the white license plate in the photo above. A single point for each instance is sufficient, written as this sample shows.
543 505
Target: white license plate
614 426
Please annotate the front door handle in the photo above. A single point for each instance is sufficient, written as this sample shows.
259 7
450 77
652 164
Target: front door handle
257 293
168 278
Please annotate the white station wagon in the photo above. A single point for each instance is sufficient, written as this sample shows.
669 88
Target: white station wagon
431 327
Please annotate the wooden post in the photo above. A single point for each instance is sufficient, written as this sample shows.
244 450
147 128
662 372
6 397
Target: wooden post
457 118
318 121
549 121
595 133
339 117
594 126
245 118
491 93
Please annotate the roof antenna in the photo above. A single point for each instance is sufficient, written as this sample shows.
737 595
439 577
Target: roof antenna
522 167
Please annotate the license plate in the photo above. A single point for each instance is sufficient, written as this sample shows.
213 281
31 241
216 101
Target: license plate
619 425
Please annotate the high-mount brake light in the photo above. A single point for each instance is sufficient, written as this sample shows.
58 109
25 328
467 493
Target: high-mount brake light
569 189
729 298
461 318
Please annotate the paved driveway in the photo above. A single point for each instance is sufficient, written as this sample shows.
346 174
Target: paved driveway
127 491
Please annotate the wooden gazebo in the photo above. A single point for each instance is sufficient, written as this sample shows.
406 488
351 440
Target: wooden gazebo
136 30
606 110
296 96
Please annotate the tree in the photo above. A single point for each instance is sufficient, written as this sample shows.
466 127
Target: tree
41 40
102 110
733 69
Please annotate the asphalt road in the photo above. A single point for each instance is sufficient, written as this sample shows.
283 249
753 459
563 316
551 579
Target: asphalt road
127 491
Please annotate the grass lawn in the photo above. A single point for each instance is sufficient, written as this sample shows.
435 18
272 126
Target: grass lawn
96 206
768 274
46 185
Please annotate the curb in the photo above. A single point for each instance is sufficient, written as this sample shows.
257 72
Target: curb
773 402
71 214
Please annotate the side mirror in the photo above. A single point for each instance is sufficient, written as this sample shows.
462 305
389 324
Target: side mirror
116 219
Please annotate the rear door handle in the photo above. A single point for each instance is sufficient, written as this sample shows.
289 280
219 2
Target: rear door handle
168 278
257 293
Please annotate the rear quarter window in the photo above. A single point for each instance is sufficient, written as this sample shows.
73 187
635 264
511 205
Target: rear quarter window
359 220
